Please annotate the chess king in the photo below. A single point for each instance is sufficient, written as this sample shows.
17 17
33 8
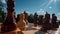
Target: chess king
9 24
21 23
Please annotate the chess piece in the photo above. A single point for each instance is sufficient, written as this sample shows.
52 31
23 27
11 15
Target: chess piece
18 18
35 19
47 23
40 20
21 23
54 21
26 17
9 24
47 18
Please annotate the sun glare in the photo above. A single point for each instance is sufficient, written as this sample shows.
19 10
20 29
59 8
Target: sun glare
53 1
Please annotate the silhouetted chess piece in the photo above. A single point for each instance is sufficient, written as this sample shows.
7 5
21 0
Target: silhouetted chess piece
47 23
26 17
9 24
47 18
35 19
18 18
54 21
15 18
40 20
21 23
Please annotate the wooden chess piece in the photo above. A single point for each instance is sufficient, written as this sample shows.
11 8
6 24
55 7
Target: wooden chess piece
9 24
35 19
21 23
47 23
40 20
54 21
26 17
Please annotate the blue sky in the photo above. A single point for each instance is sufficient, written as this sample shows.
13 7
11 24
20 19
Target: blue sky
39 6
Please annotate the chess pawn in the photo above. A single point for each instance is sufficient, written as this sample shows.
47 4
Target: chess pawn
21 23
54 21
35 19
40 20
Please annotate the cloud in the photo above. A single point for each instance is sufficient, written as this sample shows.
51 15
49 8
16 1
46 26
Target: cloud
41 12
50 7
58 18
4 8
58 13
3 1
28 12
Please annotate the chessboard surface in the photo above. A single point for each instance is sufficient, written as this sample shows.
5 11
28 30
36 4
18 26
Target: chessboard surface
33 30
